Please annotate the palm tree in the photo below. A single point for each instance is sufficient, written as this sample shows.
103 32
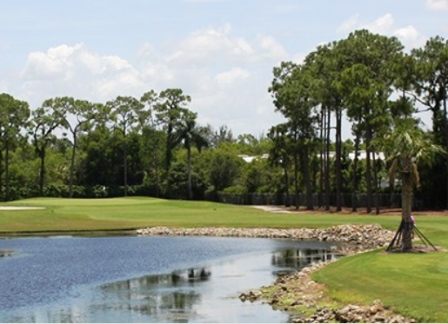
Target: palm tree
190 134
406 145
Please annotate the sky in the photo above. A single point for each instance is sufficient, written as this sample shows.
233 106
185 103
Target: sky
220 52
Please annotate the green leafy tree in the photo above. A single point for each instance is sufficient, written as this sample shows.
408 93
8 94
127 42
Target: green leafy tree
280 153
125 112
78 116
172 104
406 145
366 81
431 90
292 91
46 119
14 115
190 134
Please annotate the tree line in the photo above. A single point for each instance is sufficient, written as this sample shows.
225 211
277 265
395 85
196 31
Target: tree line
154 146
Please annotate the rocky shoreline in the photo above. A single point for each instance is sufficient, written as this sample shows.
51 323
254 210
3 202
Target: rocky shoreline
298 294
308 302
365 236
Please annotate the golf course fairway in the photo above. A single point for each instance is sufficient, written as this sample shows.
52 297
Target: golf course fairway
416 285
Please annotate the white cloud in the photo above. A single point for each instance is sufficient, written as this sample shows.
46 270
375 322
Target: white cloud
207 65
231 76
212 45
349 24
384 25
271 49
381 25
437 4
75 71
410 37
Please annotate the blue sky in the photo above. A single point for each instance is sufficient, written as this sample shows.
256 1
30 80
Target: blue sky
220 52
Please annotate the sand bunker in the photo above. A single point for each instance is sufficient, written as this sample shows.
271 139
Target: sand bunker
19 208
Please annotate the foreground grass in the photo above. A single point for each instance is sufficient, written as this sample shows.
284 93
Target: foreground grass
414 285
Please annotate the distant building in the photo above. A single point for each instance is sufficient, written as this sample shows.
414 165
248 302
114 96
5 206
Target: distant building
361 156
249 159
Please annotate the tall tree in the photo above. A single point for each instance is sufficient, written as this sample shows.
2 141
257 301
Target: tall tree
292 91
431 89
280 153
406 145
45 120
366 81
125 111
190 134
148 120
77 116
14 115
172 104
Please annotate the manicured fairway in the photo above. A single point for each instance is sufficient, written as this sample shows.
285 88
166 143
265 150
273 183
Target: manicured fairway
137 212
414 284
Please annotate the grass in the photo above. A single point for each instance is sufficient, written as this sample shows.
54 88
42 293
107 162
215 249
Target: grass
413 284
137 212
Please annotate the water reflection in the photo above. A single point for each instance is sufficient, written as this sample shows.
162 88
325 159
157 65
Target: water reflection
170 297
299 258
206 293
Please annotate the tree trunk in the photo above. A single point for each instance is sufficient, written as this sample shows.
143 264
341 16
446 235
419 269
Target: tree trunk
306 175
190 191
125 164
375 176
1 173
355 175
285 171
296 184
327 168
7 171
406 200
42 170
445 118
368 171
338 159
322 150
156 164
72 166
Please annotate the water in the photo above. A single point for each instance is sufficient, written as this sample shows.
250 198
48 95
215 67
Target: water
144 279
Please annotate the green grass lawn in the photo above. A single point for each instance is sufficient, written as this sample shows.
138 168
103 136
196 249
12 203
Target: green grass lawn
137 212
414 284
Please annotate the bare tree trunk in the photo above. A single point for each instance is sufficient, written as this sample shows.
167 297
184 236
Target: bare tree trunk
125 164
285 170
445 118
355 175
406 197
1 173
368 171
306 175
156 165
72 166
322 150
327 168
375 177
7 171
338 159
190 191
296 184
42 171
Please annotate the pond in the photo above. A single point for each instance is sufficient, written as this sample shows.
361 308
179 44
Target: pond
145 279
